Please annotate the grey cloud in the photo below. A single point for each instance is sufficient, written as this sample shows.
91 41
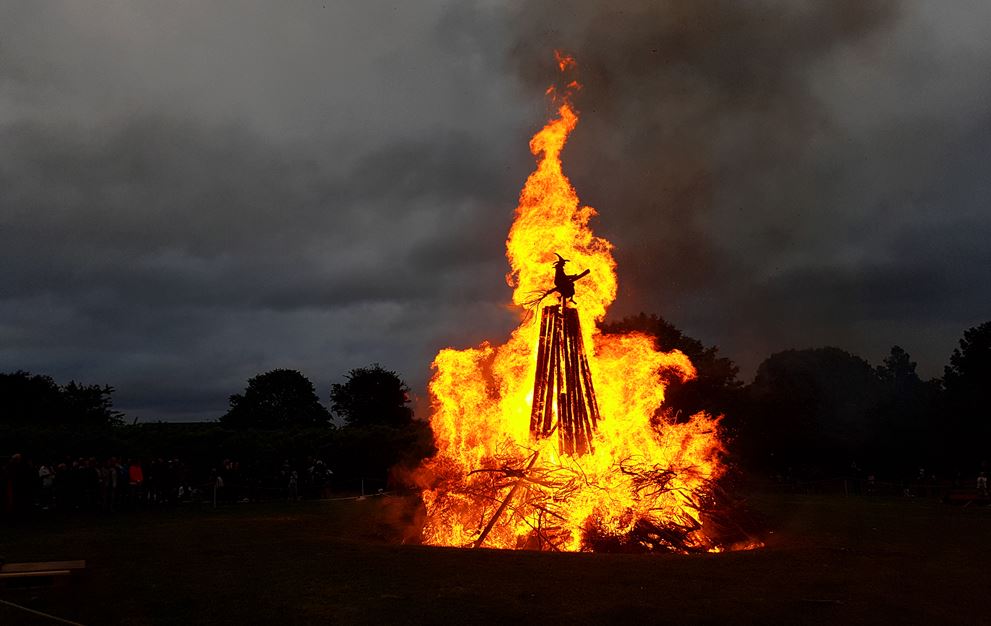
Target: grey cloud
173 253
192 194
165 212
775 173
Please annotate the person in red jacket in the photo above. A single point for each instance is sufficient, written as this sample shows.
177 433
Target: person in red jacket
136 479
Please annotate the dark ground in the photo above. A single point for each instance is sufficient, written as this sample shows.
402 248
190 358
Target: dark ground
828 560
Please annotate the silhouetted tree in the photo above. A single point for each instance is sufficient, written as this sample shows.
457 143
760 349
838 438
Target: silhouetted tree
372 396
967 408
37 400
968 375
898 369
281 398
715 389
811 410
90 404
903 434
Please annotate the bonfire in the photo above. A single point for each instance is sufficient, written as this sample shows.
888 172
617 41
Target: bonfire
558 439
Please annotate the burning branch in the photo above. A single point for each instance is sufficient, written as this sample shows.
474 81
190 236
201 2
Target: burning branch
502 507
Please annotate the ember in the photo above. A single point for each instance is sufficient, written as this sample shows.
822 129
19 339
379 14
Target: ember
621 473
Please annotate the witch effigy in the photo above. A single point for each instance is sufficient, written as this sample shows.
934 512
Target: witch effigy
563 395
564 284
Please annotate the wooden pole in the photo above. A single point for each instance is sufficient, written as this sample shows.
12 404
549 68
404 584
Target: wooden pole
549 373
593 405
573 398
505 503
563 394
540 376
563 439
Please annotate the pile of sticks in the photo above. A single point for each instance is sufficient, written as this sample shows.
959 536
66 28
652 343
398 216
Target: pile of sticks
563 396
536 495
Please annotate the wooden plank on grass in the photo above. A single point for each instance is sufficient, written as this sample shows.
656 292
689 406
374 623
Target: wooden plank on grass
41 566
41 573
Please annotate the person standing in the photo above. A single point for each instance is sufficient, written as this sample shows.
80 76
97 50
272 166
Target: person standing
46 477
136 480
293 486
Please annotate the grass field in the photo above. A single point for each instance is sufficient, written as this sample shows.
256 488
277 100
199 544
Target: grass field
827 560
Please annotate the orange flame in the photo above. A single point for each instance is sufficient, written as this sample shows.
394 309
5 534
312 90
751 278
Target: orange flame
564 61
481 401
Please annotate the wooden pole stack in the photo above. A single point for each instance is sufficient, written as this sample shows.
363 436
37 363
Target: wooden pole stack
563 396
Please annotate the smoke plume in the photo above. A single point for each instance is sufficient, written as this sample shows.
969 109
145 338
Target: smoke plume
697 117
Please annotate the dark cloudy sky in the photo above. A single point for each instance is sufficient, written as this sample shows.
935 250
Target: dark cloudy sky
195 192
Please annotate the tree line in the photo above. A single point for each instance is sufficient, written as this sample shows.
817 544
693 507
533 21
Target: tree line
278 399
278 417
807 412
824 411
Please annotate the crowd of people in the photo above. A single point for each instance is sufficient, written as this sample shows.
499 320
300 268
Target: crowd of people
109 484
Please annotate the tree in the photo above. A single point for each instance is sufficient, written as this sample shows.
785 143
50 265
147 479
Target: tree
37 400
967 376
898 368
90 404
905 414
372 396
715 389
281 398
967 380
811 409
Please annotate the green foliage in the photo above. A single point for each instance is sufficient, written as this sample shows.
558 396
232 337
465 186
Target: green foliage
372 396
38 400
281 398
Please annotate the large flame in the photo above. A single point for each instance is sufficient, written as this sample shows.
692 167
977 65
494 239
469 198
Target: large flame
481 403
